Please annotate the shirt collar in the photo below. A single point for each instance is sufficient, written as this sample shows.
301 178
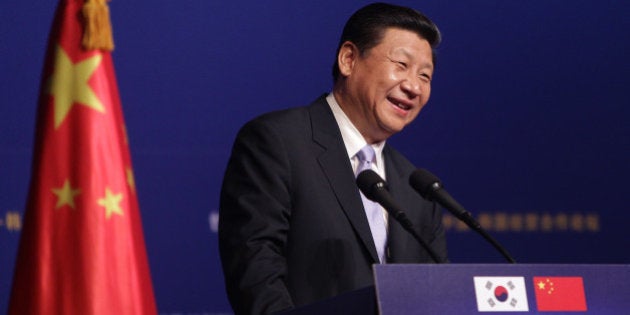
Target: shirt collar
351 136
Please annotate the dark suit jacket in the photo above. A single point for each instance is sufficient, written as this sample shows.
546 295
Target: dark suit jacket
292 228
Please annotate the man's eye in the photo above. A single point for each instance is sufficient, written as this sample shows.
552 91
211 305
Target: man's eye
402 64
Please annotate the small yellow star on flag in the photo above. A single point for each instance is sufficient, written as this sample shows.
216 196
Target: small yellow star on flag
65 195
130 179
111 202
69 84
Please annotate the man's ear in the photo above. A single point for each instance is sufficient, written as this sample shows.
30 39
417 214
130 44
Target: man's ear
347 57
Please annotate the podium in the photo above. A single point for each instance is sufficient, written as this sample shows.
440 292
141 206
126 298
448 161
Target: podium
485 288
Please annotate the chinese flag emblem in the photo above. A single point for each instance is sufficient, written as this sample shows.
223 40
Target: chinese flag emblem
82 248
560 293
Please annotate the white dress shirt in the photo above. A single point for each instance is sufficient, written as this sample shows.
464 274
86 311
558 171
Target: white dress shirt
354 142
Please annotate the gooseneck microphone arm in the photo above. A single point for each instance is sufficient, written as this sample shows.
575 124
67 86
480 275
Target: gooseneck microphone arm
430 187
375 189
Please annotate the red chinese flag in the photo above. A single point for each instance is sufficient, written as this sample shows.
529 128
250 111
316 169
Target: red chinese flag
560 293
82 249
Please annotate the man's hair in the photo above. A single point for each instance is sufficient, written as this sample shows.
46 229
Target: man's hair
366 27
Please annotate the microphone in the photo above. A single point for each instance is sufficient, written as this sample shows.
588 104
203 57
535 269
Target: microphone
430 187
375 189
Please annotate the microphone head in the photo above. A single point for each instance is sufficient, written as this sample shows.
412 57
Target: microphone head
425 183
370 183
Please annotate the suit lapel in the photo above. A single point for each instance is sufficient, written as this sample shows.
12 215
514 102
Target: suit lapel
336 166
397 236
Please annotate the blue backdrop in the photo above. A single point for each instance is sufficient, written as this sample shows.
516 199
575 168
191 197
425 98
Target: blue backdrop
528 124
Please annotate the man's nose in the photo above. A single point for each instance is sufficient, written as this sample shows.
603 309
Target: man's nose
412 85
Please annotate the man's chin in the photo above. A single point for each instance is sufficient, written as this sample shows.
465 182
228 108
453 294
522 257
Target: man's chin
388 131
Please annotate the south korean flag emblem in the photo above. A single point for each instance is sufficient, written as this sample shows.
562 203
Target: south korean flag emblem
501 294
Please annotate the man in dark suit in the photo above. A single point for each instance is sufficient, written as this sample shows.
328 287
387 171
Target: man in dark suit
293 228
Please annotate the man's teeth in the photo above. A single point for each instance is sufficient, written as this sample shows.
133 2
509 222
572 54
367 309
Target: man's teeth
402 106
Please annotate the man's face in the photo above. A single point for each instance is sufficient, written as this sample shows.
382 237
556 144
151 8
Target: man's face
386 88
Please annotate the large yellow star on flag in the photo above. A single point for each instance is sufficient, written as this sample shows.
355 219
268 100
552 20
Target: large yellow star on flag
65 195
69 84
111 202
